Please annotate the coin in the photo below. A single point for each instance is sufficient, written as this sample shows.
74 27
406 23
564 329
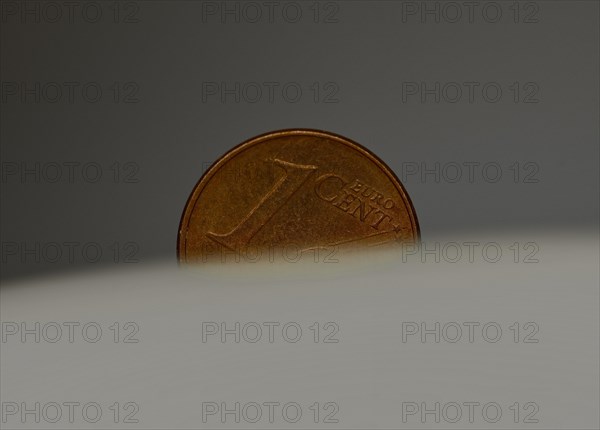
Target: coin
287 193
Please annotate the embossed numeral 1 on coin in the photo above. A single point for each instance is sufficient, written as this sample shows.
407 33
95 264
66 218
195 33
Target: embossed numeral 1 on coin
295 175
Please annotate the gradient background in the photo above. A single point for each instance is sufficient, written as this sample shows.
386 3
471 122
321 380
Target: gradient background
366 51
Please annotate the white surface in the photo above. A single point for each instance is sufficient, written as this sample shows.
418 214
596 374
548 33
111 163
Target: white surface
369 373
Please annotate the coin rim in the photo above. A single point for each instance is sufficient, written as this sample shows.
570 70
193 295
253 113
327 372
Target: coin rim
205 178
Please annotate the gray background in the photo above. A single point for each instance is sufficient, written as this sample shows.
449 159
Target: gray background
172 135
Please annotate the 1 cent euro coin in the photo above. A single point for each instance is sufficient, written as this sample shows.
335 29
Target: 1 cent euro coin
291 193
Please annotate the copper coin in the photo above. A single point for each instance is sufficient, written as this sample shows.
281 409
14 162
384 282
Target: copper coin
289 193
